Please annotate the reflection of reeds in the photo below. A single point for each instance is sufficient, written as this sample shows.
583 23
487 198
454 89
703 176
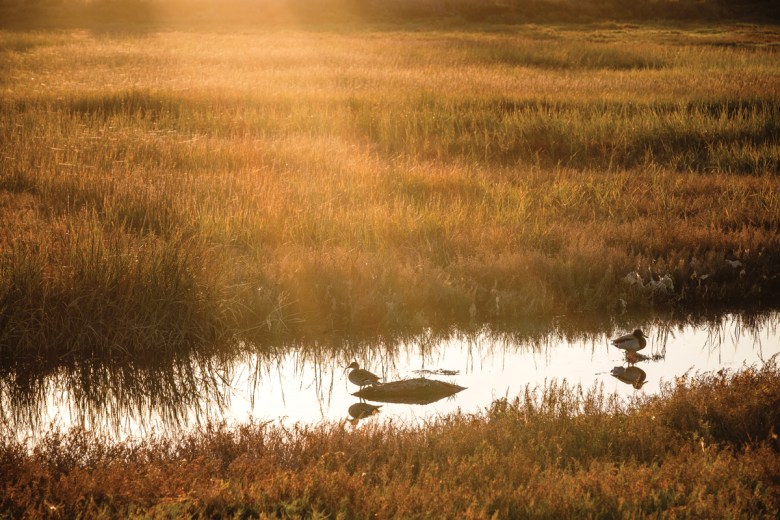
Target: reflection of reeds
127 398
721 330
706 446
115 399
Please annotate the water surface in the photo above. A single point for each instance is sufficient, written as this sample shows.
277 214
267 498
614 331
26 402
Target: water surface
308 383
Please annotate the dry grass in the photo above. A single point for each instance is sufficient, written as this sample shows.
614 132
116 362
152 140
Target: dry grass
164 190
705 447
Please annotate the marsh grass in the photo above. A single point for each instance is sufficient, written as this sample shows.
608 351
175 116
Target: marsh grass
170 189
91 294
705 447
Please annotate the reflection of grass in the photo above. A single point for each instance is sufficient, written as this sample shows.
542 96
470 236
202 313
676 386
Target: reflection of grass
175 393
164 190
706 447
109 399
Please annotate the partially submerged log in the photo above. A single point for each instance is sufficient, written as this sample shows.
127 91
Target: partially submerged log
409 391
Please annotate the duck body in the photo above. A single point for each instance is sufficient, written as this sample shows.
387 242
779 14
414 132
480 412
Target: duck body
633 342
360 376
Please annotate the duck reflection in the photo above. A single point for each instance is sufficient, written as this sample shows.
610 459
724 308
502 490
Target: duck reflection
362 410
635 357
631 375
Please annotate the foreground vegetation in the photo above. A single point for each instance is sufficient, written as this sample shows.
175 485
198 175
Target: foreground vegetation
164 190
706 447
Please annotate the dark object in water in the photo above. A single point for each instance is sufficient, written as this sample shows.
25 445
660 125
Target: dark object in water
363 410
410 391
632 375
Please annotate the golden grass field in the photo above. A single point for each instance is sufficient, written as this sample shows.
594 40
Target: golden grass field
188 186
168 189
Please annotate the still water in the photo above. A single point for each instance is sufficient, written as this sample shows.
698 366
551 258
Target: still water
308 383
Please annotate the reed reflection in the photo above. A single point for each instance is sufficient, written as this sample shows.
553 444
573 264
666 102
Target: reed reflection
306 380
110 398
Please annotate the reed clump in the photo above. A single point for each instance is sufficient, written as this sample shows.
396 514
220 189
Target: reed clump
179 188
705 446
77 291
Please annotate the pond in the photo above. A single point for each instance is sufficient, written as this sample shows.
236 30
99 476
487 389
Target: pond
308 383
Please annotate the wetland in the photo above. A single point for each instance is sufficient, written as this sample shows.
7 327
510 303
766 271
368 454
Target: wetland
204 222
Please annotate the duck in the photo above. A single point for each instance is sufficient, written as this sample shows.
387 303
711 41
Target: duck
633 342
360 376
363 410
